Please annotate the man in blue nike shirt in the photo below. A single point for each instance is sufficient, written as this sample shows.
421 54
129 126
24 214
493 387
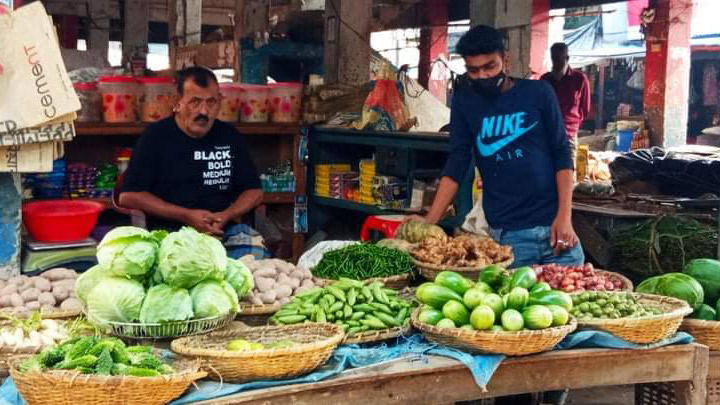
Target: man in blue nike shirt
514 130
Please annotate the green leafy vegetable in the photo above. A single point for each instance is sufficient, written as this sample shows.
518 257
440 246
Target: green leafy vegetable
115 299
188 257
213 298
88 280
164 303
239 277
363 261
127 251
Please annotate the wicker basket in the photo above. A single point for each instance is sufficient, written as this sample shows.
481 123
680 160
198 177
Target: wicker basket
55 313
508 343
167 330
664 393
430 271
648 329
257 315
374 336
627 285
73 388
316 343
704 332
397 282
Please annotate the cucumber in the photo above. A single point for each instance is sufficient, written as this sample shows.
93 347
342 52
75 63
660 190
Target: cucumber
436 295
457 312
454 281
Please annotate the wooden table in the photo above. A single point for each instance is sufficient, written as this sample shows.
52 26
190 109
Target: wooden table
441 380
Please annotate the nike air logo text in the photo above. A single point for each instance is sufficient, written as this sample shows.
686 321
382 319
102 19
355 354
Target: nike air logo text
507 127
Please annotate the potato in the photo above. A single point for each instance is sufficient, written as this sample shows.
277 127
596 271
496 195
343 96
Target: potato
294 283
71 304
268 297
247 259
16 300
9 289
31 294
68 284
3 283
28 284
283 291
308 283
283 279
298 274
60 294
17 280
287 267
307 272
42 284
284 301
300 290
256 300
266 272
47 298
5 301
59 273
32 305
264 284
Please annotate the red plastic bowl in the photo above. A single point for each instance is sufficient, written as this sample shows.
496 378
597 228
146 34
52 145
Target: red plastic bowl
55 221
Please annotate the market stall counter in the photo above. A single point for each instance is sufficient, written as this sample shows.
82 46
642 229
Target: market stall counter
441 380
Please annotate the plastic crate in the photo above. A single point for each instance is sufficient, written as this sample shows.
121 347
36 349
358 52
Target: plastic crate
664 393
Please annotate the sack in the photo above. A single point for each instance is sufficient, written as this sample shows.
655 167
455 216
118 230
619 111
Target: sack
384 108
34 85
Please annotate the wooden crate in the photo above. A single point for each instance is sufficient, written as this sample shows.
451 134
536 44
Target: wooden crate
664 393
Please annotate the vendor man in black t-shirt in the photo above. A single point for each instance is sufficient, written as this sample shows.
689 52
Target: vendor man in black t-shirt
191 169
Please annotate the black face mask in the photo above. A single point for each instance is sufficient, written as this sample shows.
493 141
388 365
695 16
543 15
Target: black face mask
489 87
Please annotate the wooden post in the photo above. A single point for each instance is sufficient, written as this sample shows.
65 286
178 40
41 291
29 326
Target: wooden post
695 392
184 25
238 27
347 41
99 36
600 98
137 23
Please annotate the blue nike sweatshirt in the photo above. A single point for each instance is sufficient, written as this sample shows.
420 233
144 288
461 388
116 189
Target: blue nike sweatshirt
518 143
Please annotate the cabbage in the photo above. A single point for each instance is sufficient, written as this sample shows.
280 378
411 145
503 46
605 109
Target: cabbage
127 251
213 298
239 277
164 303
88 280
115 299
188 257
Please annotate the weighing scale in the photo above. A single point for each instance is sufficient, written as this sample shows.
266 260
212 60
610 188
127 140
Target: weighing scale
40 256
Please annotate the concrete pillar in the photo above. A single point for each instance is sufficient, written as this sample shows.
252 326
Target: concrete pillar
10 220
99 35
347 41
525 24
667 72
434 46
137 25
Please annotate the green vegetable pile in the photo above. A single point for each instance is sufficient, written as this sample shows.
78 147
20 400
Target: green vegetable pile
662 245
363 261
352 304
497 301
609 305
100 356
158 277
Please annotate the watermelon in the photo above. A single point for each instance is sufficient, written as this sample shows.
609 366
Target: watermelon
492 275
706 313
678 285
457 312
524 277
517 299
537 317
430 316
707 273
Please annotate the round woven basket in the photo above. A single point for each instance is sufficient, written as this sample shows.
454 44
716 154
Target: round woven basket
627 285
378 335
72 388
315 344
55 313
256 315
397 282
647 329
508 343
430 271
704 332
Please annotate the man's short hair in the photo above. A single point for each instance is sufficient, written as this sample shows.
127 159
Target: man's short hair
558 47
481 40
199 75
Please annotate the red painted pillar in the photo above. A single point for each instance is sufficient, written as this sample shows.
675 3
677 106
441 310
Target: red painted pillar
433 46
539 37
667 71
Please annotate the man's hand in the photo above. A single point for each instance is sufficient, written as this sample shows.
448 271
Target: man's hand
221 219
562 234
203 221
415 218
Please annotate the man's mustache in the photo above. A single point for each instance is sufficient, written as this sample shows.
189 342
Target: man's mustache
202 117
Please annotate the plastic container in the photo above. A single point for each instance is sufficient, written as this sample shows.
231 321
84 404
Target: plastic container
157 98
285 102
254 103
55 221
119 98
624 140
90 102
230 102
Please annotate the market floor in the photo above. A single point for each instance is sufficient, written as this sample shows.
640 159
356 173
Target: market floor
619 395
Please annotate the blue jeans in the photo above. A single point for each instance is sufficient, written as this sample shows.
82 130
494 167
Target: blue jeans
532 246
241 240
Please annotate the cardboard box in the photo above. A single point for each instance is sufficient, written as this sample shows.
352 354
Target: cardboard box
30 158
61 130
215 55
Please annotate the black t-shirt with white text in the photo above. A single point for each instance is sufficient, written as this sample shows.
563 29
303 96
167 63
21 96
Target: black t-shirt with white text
208 173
